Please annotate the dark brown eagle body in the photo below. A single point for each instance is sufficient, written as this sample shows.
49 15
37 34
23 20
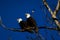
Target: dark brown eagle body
32 23
25 27
23 24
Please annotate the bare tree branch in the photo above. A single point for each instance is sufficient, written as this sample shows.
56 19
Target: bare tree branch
53 13
47 6
57 8
12 29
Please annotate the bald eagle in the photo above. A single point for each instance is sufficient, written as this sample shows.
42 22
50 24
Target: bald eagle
31 22
24 26
22 23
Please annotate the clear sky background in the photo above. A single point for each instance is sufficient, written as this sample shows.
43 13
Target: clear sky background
10 10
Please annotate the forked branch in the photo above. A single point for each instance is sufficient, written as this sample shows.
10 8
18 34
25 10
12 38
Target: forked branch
57 8
53 13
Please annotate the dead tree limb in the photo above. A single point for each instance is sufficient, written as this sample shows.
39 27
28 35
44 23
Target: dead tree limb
12 29
53 13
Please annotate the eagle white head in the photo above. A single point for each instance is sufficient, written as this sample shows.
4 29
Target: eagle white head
27 15
19 20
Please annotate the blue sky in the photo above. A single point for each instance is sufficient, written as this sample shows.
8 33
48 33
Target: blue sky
10 10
